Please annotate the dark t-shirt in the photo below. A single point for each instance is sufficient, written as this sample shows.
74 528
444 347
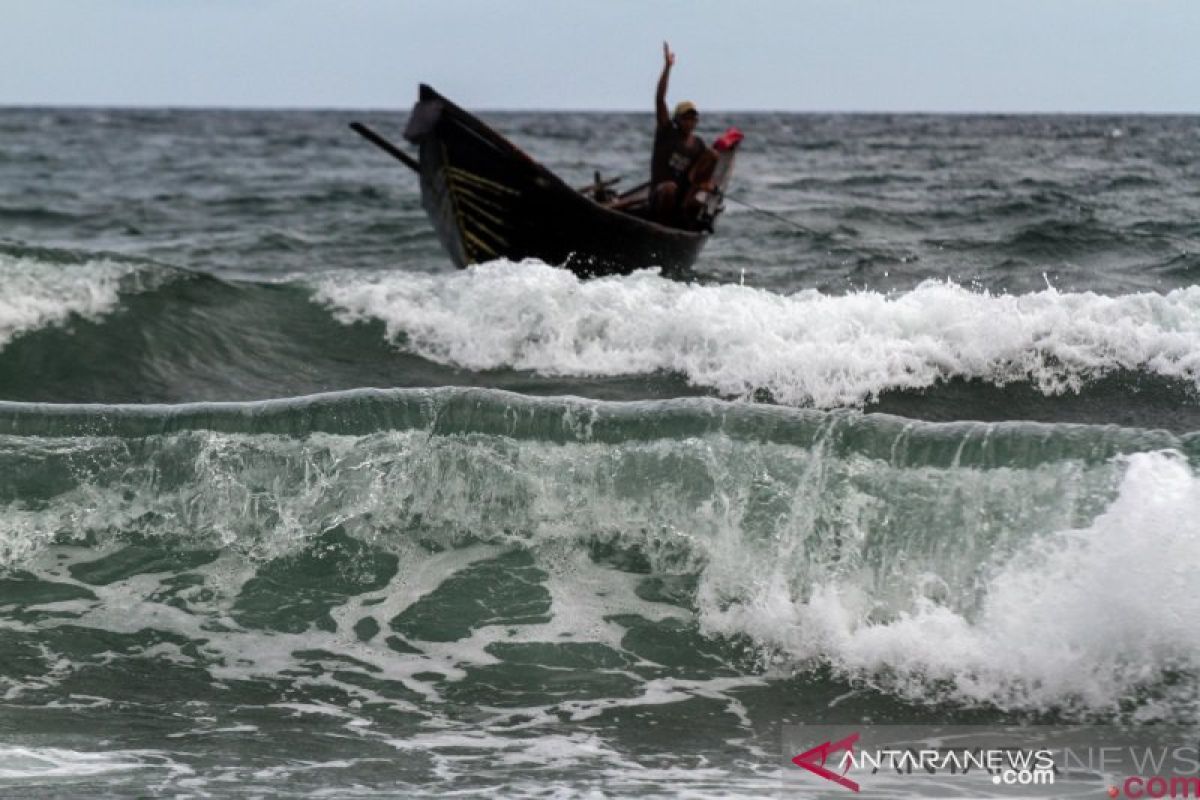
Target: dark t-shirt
673 156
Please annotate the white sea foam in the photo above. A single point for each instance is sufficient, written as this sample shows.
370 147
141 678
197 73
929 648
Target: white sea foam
805 348
1082 618
29 763
35 294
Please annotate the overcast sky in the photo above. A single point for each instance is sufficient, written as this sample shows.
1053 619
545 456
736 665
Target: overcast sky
803 55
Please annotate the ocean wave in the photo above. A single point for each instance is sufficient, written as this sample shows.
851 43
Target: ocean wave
37 292
106 329
1033 641
963 562
38 214
806 348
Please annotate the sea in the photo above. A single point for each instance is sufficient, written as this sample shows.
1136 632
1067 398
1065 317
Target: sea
291 507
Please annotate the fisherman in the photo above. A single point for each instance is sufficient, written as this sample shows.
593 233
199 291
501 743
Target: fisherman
681 167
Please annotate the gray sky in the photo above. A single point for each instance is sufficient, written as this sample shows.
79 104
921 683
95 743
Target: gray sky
804 55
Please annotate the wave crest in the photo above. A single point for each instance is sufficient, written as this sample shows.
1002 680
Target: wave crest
36 293
961 560
804 349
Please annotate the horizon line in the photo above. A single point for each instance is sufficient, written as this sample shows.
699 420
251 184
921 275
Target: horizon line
4 106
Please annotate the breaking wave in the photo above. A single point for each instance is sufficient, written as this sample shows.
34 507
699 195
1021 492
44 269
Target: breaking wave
964 562
38 294
803 349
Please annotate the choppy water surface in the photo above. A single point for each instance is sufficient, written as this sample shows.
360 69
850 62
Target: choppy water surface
288 506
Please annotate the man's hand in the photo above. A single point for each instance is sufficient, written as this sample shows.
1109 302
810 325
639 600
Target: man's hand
660 96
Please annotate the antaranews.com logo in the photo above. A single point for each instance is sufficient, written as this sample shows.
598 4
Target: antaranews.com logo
1028 762
1003 765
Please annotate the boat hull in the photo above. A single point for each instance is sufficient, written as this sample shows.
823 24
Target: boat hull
487 200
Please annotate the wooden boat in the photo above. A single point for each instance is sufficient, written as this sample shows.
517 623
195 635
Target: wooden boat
487 199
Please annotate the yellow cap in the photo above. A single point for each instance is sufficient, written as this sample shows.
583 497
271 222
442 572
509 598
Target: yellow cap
686 107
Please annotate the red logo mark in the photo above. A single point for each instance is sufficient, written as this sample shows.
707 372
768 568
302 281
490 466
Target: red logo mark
808 760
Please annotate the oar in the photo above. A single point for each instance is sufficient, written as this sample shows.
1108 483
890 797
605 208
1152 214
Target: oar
386 146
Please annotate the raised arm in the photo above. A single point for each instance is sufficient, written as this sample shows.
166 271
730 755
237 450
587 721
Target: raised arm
660 97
